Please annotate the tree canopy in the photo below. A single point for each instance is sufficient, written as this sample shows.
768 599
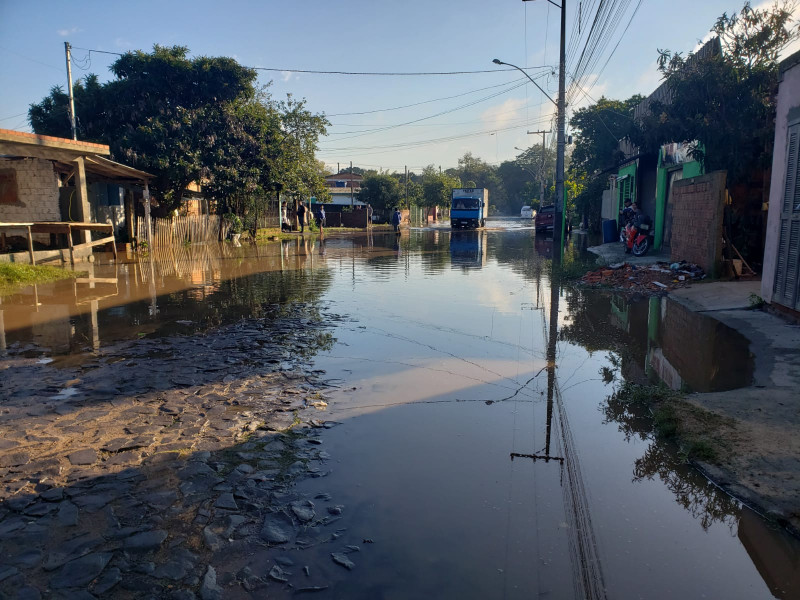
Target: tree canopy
200 119
724 105
437 187
381 191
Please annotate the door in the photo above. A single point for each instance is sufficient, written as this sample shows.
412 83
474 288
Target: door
787 279
672 177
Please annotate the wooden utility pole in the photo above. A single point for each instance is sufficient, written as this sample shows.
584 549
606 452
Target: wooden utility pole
351 184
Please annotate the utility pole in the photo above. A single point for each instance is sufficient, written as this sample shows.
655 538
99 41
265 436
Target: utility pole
541 175
558 225
351 184
407 186
68 50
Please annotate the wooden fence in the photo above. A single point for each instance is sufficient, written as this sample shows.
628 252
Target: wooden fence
180 230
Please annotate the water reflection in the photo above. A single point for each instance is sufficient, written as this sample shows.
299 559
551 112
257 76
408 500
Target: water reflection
177 290
658 339
468 249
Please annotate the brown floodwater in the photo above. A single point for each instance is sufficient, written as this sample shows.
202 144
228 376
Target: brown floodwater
480 452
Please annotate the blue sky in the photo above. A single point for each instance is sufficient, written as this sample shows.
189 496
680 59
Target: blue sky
357 35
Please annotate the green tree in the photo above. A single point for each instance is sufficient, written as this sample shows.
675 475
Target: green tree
437 188
194 120
724 105
522 178
381 191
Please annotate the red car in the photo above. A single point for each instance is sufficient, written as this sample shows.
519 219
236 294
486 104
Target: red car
544 218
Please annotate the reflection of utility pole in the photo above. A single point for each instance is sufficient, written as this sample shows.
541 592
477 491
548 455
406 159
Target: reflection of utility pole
552 338
555 284
541 175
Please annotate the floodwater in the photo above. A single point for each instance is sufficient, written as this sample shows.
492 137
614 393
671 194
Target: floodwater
480 452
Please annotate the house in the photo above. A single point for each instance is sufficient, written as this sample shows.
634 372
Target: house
344 180
648 178
344 188
49 179
780 283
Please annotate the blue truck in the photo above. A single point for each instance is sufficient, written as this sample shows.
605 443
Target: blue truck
469 208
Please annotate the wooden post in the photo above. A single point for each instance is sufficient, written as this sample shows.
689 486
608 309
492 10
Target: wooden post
71 250
30 245
147 224
130 214
84 212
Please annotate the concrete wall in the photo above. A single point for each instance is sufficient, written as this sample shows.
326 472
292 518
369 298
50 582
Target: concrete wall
697 209
788 111
37 192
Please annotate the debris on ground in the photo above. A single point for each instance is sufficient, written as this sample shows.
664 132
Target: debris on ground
653 279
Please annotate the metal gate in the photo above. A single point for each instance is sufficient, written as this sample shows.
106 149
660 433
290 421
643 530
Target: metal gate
787 278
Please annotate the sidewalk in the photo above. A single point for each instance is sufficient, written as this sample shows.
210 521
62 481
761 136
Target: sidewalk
613 253
762 447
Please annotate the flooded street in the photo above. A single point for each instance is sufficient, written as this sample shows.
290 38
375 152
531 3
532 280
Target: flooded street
456 430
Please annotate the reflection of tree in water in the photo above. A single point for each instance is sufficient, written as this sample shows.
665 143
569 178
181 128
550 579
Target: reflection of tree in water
692 491
267 295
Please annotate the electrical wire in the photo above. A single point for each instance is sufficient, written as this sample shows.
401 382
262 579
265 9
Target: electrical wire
367 73
368 112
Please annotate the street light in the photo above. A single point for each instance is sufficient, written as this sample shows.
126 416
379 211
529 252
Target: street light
560 145
497 61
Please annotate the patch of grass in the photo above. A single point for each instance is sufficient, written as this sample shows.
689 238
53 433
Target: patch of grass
14 276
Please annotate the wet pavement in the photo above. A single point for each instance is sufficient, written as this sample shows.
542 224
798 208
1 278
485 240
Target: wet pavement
368 417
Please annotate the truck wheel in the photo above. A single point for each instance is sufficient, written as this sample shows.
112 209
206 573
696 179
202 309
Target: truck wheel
483 222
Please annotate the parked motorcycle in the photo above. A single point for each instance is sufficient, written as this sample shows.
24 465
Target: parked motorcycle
643 237
638 238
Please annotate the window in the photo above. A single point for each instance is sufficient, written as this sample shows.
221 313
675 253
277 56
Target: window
8 186
466 203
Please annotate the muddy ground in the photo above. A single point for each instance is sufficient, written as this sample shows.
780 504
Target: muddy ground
166 466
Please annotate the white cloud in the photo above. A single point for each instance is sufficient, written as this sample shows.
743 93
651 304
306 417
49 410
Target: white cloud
122 43
500 115
286 75
66 32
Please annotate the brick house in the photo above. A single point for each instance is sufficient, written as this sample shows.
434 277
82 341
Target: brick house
50 179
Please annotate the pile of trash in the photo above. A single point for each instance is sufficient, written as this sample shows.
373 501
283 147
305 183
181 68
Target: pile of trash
651 279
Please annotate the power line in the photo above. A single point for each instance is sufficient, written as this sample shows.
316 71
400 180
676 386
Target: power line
444 112
369 112
368 73
9 50
392 147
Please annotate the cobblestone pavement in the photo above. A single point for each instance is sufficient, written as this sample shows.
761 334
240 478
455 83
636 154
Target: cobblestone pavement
165 468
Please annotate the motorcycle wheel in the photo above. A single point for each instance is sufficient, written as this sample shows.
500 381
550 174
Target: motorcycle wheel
641 248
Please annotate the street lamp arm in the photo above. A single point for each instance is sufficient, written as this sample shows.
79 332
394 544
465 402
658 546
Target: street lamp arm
500 62
550 1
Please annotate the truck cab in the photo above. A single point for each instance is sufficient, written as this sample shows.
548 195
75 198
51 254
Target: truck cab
469 208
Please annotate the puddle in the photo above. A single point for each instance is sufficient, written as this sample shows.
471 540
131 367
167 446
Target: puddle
659 339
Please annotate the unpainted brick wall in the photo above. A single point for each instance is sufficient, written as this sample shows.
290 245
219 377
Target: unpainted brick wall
697 209
37 192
